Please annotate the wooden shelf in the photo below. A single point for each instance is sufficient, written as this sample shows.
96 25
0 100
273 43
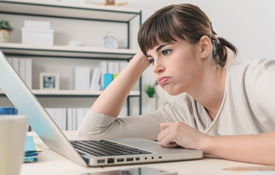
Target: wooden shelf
70 93
16 49
68 10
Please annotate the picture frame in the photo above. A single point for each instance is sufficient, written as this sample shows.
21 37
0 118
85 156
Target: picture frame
49 81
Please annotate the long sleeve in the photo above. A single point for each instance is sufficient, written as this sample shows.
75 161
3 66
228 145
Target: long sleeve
96 125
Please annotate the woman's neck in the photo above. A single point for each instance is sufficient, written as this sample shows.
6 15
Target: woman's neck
210 91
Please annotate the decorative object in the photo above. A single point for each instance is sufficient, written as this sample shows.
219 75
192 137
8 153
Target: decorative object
110 42
151 102
5 29
113 2
49 81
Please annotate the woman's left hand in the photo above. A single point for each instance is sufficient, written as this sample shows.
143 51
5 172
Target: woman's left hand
179 134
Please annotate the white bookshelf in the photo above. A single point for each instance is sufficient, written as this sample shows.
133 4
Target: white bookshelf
51 9
66 51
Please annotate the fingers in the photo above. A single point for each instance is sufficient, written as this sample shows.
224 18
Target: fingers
169 144
166 138
163 126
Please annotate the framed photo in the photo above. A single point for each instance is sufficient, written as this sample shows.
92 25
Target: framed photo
49 81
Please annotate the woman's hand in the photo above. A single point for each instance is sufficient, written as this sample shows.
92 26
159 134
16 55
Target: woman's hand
141 59
179 134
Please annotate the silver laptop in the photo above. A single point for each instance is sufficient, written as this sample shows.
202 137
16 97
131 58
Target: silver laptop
83 152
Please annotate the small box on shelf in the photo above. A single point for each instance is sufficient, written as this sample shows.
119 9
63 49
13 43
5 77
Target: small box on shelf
37 37
37 33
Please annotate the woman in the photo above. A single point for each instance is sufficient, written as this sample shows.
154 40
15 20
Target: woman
229 113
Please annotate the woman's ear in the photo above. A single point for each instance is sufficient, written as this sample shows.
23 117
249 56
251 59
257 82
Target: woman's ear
205 46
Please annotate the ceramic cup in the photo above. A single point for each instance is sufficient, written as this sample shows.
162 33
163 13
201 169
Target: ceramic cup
13 130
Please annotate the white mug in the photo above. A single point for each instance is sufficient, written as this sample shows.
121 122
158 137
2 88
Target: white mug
13 130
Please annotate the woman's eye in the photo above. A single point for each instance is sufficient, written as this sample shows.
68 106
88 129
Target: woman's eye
166 51
151 61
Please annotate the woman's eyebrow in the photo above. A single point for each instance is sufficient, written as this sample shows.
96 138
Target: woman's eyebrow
158 48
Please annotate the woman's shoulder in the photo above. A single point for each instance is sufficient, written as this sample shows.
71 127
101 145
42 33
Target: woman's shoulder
253 65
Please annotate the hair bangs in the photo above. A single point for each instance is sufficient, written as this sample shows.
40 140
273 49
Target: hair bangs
158 29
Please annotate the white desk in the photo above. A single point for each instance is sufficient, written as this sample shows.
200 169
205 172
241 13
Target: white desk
52 163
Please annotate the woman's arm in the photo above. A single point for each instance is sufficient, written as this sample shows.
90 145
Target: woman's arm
113 97
258 148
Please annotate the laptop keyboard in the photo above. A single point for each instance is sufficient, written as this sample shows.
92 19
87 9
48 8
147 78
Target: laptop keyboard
100 148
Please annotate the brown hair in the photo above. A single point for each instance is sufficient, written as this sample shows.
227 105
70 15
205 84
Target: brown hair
182 21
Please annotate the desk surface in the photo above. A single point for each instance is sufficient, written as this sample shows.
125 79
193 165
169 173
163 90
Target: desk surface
52 163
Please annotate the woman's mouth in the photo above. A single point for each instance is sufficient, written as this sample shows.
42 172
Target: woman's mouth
162 80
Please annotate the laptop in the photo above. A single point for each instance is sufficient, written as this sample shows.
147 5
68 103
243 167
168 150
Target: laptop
83 152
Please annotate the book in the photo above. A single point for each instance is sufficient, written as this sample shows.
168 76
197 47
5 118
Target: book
82 78
28 73
104 70
15 63
31 150
95 82
108 78
22 69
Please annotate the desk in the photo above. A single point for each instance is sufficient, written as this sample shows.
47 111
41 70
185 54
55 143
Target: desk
52 163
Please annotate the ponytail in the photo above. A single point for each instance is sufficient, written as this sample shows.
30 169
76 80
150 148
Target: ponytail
220 53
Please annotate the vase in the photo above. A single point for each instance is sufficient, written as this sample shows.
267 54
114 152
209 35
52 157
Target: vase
4 36
151 104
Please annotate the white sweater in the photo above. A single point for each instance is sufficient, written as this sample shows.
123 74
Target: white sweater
248 107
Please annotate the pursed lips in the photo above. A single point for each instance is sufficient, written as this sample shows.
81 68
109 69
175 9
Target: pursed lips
162 80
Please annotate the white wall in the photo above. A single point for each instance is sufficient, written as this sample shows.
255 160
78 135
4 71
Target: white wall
249 24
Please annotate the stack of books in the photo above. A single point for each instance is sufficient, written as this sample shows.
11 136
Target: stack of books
31 150
23 67
97 78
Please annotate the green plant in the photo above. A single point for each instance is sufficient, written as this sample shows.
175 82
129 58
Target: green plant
5 25
150 90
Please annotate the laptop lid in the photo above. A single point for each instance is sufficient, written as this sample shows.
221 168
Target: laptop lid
27 104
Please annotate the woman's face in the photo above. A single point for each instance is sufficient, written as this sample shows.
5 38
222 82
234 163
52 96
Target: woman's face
177 66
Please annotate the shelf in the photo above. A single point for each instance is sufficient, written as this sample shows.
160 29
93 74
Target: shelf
68 10
45 8
70 93
66 51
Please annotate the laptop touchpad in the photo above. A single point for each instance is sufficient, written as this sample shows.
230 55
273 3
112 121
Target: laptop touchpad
143 144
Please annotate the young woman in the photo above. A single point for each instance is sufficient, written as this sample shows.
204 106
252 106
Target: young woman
226 112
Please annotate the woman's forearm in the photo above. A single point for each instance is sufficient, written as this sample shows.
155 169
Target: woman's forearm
112 99
259 148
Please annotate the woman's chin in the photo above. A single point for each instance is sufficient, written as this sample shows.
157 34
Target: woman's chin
173 93
171 90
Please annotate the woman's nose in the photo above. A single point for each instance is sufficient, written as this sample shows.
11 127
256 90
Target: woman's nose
158 66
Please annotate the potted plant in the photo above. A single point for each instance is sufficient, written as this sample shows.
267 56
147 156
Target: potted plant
151 103
5 30
150 91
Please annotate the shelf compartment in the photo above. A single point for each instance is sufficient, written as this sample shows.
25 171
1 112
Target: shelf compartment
70 93
14 49
68 10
